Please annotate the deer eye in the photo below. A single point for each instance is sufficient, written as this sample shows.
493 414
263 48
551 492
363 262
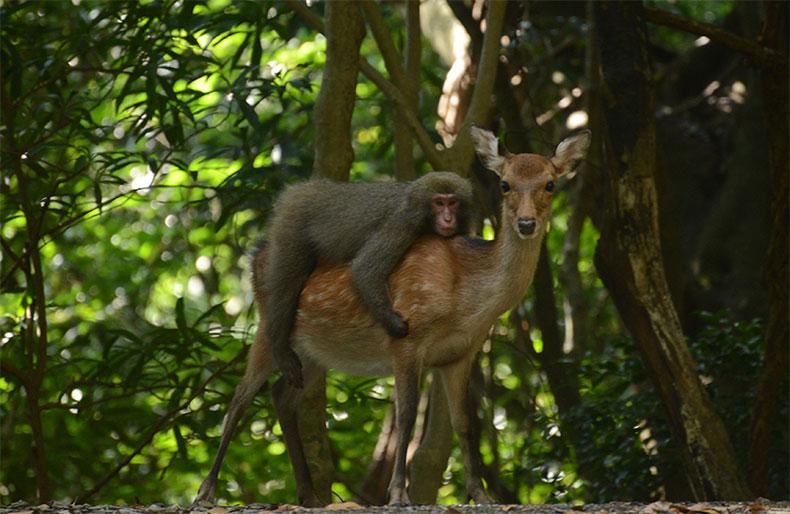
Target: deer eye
505 186
550 186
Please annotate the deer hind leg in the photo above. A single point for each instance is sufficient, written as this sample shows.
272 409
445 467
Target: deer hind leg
407 390
259 367
455 377
285 398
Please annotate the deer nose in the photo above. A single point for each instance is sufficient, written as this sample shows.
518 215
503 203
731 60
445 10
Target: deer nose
527 226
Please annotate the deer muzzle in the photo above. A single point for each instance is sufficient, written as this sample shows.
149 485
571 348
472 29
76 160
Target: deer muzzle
526 227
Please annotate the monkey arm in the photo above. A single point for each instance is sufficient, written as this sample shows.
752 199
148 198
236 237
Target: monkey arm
374 262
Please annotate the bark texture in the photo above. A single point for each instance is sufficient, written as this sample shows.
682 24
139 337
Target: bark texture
430 459
628 256
335 103
772 387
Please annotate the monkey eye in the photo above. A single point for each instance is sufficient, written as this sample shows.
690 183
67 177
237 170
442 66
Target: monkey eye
550 186
505 186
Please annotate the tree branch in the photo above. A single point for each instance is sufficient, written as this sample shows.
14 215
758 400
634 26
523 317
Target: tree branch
761 55
381 33
12 370
434 156
462 150
413 48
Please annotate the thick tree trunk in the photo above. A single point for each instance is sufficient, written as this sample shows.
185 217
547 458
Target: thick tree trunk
333 157
772 387
377 479
315 440
430 459
404 142
628 255
335 103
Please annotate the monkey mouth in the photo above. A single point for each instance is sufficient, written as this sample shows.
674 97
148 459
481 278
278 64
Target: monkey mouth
445 230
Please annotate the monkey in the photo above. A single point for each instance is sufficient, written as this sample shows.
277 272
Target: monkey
370 225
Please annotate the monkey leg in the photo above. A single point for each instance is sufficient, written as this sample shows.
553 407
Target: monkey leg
455 377
259 367
285 398
407 390
288 268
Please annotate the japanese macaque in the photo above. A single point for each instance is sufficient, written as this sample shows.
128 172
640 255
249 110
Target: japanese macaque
450 289
370 226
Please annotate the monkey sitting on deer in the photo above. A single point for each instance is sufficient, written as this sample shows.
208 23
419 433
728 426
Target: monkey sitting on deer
369 225
450 289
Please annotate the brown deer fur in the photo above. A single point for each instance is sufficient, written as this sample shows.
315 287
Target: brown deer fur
451 290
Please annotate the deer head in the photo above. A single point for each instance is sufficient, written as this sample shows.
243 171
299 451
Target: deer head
528 181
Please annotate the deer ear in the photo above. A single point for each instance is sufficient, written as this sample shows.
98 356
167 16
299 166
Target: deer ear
570 151
487 147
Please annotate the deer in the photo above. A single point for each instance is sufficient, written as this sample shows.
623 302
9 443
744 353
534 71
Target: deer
451 291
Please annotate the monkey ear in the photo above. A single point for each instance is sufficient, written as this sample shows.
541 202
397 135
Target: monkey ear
570 151
487 147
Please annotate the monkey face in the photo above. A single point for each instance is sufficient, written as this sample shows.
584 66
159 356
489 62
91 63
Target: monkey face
445 214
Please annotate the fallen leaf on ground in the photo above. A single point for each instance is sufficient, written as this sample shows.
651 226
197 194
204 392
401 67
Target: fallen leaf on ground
287 507
656 508
756 507
704 508
343 506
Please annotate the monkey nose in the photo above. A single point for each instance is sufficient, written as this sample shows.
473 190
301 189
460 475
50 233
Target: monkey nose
527 226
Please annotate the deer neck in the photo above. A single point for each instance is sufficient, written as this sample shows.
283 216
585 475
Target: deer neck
505 271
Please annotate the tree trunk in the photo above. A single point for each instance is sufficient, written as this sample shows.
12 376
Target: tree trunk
333 157
628 256
404 142
335 103
374 487
772 387
430 459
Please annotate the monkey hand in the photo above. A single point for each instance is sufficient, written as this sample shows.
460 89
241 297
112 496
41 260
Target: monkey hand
290 366
395 325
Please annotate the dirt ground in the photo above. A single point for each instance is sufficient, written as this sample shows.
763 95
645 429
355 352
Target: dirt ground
755 507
